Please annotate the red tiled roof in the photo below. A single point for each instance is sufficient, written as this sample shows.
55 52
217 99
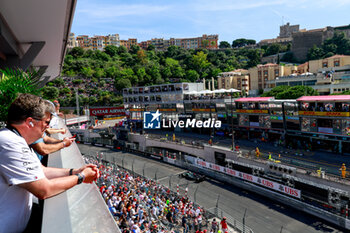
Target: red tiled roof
239 70
337 56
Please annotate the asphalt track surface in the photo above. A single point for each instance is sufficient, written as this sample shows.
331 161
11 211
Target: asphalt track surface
262 215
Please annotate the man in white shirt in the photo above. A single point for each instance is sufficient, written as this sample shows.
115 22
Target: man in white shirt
21 173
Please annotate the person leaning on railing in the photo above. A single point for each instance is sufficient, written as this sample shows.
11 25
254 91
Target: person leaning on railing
21 173
46 145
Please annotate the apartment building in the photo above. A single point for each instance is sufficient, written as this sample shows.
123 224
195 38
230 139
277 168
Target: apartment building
97 43
128 43
205 41
158 43
144 44
260 74
209 41
83 41
123 43
330 62
72 42
326 76
112 39
237 79
132 41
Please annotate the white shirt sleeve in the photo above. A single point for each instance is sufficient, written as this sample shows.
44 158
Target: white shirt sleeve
19 164
54 122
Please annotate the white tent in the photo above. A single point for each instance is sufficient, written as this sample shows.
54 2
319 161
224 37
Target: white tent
205 92
232 90
191 93
220 91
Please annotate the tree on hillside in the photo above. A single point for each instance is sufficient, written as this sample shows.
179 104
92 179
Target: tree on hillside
134 49
87 72
224 45
50 93
99 73
288 57
151 47
315 53
76 52
111 50
122 83
287 92
275 91
192 75
338 44
254 56
127 73
297 92
242 42
141 56
272 49
200 63
99 55
122 49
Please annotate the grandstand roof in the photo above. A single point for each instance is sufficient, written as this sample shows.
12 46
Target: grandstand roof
325 98
254 99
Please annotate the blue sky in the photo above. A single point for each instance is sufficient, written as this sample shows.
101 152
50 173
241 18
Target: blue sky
251 19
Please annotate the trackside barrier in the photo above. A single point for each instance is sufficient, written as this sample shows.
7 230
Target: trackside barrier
328 216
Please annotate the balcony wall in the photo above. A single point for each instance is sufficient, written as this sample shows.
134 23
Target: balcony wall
80 209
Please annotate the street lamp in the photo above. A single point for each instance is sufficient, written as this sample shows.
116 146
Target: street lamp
233 132
212 129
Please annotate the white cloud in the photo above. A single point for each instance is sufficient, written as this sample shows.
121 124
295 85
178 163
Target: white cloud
227 5
113 11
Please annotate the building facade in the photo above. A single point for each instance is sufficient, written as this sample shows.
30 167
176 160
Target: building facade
261 74
113 39
72 42
237 79
83 41
309 123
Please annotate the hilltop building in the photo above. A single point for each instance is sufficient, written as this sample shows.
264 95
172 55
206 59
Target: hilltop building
100 42
327 76
285 35
302 41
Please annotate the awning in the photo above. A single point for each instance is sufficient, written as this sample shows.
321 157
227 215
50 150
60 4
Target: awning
324 98
35 33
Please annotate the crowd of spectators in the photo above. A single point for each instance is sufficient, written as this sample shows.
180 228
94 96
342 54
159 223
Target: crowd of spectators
108 85
139 204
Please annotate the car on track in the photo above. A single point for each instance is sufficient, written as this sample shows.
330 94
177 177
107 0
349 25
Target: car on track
192 176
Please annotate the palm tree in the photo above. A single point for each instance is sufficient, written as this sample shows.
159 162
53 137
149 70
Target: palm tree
13 82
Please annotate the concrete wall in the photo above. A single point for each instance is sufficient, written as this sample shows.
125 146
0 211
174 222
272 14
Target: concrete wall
79 209
207 152
303 41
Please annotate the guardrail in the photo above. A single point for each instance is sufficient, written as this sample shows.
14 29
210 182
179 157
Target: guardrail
76 120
